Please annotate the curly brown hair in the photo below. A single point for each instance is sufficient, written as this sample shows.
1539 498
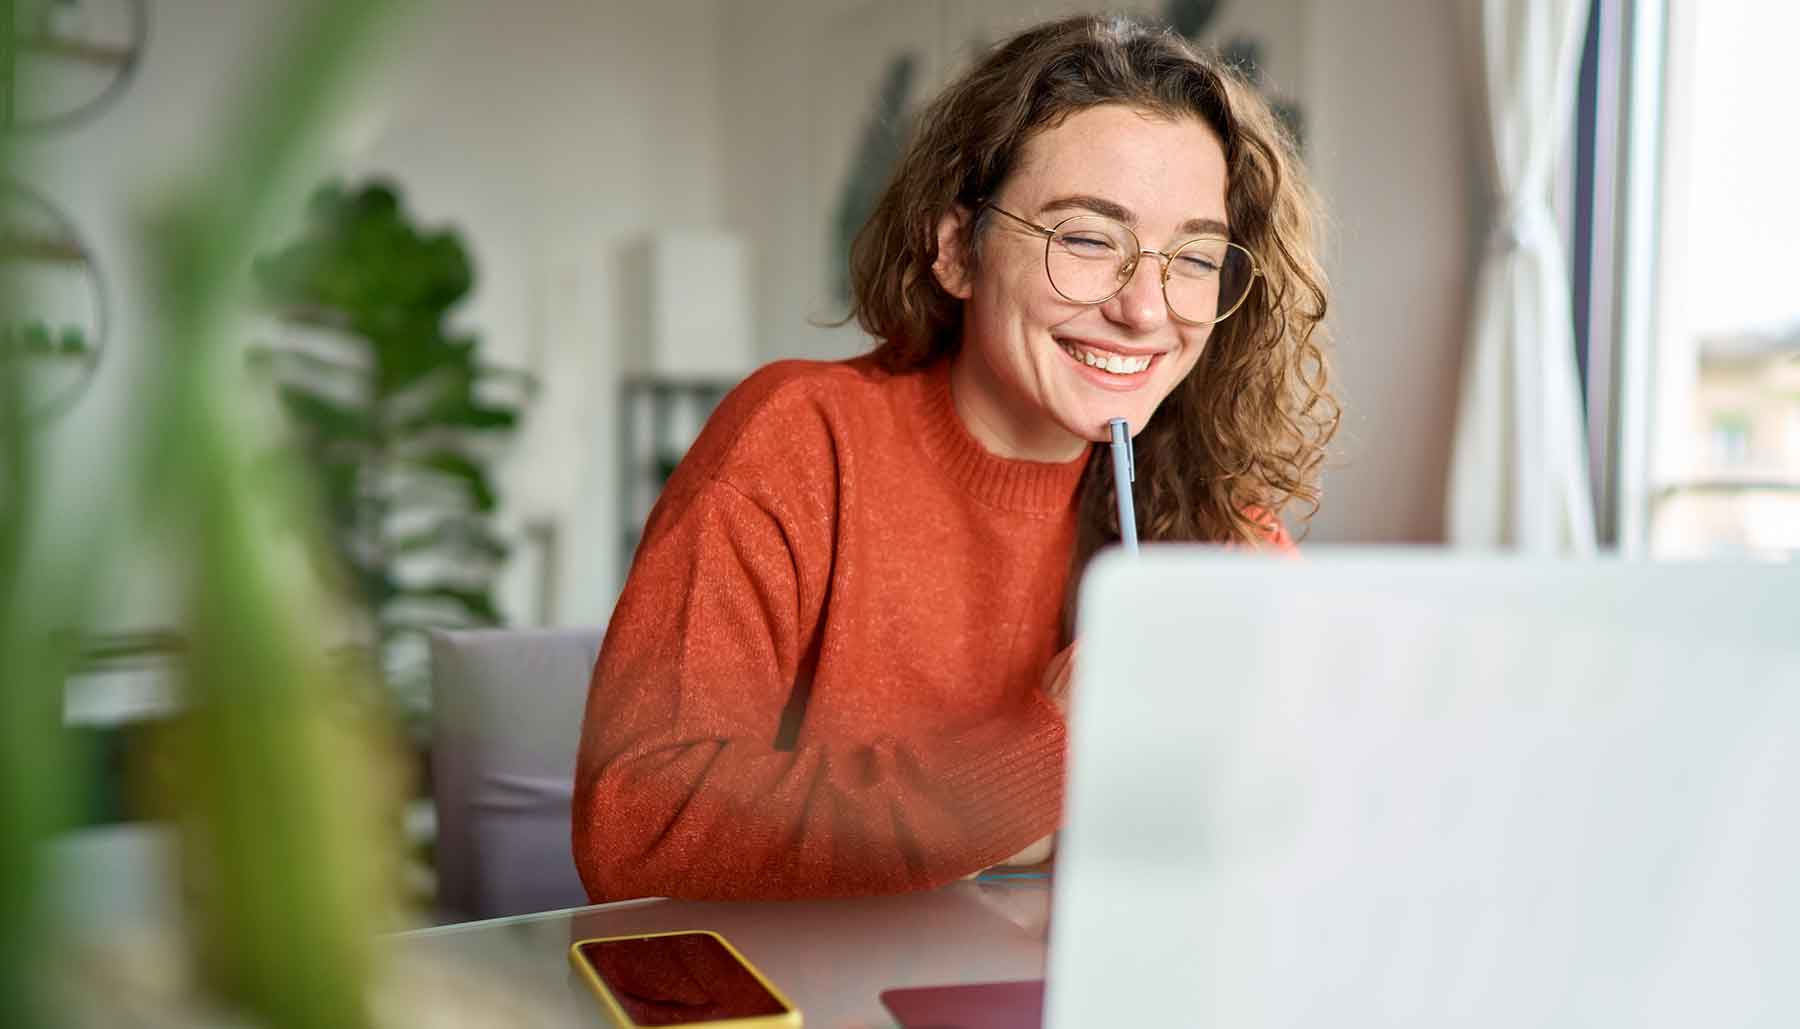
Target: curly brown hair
1244 434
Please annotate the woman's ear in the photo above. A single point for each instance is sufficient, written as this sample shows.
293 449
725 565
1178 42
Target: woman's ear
952 265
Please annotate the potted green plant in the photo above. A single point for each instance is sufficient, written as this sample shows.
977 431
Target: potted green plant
396 414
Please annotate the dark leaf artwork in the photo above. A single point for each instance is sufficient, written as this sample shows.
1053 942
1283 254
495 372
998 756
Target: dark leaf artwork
884 137
1194 19
1191 18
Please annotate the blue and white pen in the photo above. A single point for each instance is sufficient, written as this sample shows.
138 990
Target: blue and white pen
1124 474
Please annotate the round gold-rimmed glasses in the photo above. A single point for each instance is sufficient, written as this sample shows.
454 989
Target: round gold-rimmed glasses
1090 257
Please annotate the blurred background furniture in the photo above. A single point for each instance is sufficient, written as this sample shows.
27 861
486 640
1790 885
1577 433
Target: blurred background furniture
506 721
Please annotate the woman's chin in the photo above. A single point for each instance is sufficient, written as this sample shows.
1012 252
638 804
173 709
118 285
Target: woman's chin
1096 426
1087 426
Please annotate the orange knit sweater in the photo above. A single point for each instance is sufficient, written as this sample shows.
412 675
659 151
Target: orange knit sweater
822 677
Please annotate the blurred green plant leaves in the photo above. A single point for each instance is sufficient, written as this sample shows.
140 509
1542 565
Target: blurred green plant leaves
282 772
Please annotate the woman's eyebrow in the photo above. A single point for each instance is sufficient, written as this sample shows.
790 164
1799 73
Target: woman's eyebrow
1205 227
1120 213
1098 205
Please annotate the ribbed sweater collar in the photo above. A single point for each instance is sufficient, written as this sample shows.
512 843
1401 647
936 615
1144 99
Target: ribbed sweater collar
1027 487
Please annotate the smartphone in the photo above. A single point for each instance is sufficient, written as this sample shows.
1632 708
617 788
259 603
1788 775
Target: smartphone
681 978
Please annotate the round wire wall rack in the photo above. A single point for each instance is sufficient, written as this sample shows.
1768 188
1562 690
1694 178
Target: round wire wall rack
57 323
67 61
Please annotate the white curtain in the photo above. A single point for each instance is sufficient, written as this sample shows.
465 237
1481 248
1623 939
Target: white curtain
1518 475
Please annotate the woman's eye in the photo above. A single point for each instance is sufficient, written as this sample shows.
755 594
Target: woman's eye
1196 267
1089 244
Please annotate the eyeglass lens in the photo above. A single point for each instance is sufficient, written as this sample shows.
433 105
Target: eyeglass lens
1089 258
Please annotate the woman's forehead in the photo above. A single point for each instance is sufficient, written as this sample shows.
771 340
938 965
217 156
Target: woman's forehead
1158 169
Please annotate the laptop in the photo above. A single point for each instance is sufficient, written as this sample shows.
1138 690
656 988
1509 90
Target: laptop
1411 789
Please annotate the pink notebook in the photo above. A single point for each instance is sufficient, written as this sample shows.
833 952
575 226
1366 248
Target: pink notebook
1015 1005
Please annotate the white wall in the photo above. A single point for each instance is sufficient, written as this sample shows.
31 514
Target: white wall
551 133
107 175
559 132
555 132
1395 152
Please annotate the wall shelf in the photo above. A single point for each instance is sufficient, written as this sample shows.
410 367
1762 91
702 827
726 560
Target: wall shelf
673 411
101 54
59 251
105 37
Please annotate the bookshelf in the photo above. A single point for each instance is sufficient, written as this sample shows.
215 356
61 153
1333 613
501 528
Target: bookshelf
659 418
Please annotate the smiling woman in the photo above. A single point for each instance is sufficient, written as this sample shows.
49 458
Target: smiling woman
1116 345
841 661
1135 126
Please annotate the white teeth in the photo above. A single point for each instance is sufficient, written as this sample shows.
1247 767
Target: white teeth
1113 363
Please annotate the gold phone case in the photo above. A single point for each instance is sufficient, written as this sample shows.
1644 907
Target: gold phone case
789 1019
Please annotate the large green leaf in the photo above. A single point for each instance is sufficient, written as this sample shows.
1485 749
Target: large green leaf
466 536
325 416
458 468
463 413
475 605
303 367
363 256
448 399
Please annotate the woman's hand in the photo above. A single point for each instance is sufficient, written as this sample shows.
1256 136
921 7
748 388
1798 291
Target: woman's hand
1036 854
1059 679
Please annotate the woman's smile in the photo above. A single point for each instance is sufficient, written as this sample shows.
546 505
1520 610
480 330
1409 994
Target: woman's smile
1109 367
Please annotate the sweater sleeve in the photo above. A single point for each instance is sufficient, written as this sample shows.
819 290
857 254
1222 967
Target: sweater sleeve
681 789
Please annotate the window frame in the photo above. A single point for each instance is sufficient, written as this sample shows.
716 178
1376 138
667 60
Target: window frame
1618 150
1622 126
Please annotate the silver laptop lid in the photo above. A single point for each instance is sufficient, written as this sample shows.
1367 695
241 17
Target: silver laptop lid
1389 788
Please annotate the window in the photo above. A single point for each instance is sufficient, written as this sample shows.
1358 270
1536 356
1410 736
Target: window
1699 425
1730 440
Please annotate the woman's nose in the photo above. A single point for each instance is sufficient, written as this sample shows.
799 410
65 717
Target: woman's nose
1139 303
